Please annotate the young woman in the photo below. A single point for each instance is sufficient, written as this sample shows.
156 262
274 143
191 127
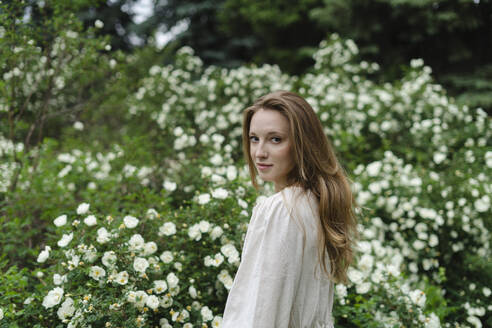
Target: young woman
299 240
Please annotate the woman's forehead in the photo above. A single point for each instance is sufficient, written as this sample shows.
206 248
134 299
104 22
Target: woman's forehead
269 121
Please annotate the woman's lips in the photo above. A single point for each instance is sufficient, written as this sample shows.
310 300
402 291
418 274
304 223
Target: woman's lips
263 166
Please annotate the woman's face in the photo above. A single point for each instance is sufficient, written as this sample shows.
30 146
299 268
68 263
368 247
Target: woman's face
271 147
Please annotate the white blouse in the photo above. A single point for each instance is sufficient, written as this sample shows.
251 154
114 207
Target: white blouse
279 283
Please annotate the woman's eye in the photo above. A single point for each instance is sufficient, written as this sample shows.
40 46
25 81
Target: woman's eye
276 139
253 138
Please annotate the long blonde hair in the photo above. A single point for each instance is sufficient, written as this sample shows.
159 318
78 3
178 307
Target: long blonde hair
318 170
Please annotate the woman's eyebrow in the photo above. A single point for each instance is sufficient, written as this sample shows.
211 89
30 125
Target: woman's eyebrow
269 133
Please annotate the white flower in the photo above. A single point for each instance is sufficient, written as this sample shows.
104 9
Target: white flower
122 278
204 226
58 279
167 229
220 193
374 168
66 309
53 298
90 220
43 256
98 24
486 291
78 125
136 242
439 157
418 297
169 185
150 248
363 288
206 313
130 221
355 276
103 236
216 322
152 214
152 302
172 280
140 264
418 244
160 286
216 160
365 263
83 208
1 314
482 204
65 240
166 257
194 232
109 259
140 298
97 272
230 252
203 199
216 232
61 220
192 291
433 321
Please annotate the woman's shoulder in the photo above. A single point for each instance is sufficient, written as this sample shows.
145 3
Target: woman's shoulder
287 197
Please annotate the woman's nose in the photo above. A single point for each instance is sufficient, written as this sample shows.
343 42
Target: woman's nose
261 151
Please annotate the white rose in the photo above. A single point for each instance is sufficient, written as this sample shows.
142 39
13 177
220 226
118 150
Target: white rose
204 226
166 257
220 193
140 264
53 298
97 272
160 286
130 221
1 314
43 256
167 229
122 278
152 302
103 236
172 280
169 186
150 248
418 297
83 208
206 313
90 220
192 291
59 279
217 322
65 240
216 232
363 288
152 214
60 221
140 298
203 199
109 259
136 242
66 309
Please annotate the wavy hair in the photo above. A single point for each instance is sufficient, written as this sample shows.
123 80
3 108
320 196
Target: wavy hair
318 170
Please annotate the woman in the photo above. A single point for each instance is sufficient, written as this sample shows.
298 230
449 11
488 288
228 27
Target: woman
299 240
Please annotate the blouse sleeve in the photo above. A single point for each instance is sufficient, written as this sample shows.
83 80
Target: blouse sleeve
267 279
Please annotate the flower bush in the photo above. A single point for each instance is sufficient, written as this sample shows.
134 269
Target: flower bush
148 231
